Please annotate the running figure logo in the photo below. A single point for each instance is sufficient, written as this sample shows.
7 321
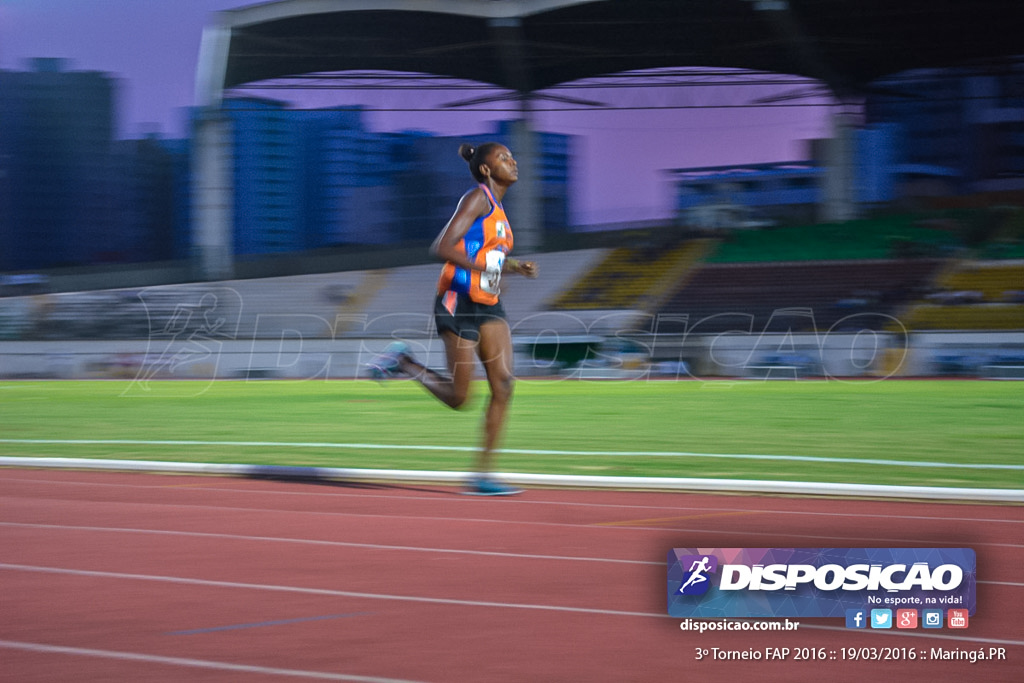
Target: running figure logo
696 581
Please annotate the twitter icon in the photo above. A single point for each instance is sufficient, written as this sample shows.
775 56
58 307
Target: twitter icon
881 618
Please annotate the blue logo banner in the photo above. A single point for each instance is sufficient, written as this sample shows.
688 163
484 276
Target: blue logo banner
818 582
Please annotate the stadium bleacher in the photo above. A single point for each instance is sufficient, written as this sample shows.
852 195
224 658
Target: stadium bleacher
632 277
973 295
880 238
797 296
360 303
778 279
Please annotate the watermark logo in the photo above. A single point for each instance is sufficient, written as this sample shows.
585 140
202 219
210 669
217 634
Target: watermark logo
906 618
822 582
856 618
188 331
958 618
697 580
881 618
931 618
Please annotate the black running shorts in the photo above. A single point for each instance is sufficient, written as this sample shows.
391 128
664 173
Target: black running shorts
463 316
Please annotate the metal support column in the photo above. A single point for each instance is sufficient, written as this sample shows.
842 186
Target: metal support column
526 204
839 191
212 198
212 162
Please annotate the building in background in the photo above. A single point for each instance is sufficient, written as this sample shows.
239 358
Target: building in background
973 124
313 179
756 195
143 179
301 179
56 132
747 196
179 152
924 134
435 177
266 177
70 193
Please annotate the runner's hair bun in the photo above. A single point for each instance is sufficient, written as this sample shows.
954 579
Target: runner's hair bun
466 151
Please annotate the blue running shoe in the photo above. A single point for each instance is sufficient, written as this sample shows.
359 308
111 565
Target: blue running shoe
387 364
485 486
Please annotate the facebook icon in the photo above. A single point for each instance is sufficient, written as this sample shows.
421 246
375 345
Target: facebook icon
856 618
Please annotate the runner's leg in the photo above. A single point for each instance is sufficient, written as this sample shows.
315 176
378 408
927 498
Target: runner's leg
495 352
454 389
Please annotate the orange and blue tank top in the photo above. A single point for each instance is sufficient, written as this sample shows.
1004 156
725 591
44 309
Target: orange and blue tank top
488 233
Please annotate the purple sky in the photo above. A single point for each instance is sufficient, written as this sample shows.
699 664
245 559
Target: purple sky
153 45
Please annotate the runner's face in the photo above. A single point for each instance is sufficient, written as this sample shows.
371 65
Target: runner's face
502 165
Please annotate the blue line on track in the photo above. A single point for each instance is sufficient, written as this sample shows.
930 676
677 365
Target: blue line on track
261 624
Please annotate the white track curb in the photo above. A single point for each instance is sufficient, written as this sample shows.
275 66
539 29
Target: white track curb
553 480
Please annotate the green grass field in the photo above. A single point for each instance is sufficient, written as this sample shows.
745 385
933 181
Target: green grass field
630 428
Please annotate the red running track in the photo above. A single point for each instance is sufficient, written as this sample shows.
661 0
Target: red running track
141 577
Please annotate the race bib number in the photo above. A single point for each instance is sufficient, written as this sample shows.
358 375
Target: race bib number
490 281
491 277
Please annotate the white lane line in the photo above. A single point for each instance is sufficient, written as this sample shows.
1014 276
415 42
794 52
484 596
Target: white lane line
685 484
194 663
339 493
323 591
842 541
422 599
370 546
515 451
344 544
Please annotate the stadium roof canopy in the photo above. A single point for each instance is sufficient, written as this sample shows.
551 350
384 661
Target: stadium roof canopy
528 45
